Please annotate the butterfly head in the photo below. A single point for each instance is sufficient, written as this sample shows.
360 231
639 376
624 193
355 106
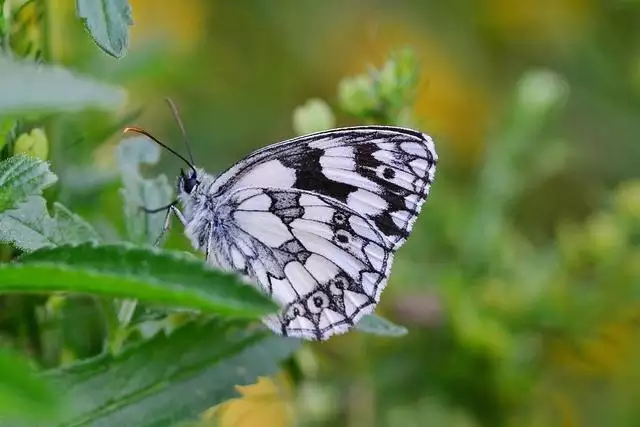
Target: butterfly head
187 182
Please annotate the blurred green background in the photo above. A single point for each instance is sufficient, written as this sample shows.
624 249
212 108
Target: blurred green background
519 283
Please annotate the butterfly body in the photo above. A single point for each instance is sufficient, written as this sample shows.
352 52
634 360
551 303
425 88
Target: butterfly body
314 222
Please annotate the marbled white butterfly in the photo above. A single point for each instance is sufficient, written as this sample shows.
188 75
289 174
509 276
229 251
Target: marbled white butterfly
313 221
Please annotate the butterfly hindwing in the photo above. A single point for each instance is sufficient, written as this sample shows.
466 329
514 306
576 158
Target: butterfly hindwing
322 261
383 173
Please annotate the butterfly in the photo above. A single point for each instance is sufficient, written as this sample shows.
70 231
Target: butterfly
314 221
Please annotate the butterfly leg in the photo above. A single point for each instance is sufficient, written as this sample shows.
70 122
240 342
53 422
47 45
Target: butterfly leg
178 214
172 210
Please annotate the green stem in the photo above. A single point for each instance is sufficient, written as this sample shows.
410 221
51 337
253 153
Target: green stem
47 16
120 328
116 322
6 33
51 124
110 318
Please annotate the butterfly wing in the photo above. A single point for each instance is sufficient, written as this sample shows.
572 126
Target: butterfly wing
322 261
383 173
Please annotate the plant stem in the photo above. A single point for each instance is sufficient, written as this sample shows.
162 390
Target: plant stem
6 30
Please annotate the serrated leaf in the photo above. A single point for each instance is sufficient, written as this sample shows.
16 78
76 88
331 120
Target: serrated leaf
172 379
140 192
125 271
107 22
27 87
29 226
377 325
22 394
22 176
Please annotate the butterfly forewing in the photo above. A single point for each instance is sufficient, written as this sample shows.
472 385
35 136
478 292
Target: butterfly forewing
384 173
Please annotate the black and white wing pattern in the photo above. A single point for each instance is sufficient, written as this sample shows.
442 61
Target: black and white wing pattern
322 261
382 173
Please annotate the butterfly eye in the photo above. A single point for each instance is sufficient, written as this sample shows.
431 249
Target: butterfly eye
188 183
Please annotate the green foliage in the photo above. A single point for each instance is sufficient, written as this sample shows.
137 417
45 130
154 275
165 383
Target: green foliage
152 276
507 302
24 218
127 271
382 95
22 35
22 176
51 88
140 192
157 337
377 325
29 226
63 255
518 285
169 379
107 21
22 393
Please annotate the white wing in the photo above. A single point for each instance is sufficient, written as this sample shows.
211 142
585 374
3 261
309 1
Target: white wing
383 173
321 260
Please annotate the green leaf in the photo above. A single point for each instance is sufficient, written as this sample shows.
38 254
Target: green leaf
384 94
126 271
357 96
22 176
373 324
29 226
22 394
107 22
397 80
167 380
140 192
27 87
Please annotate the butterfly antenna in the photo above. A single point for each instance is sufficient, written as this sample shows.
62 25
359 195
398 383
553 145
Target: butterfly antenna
154 139
176 115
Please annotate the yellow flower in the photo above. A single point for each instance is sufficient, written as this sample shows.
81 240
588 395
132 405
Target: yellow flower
34 144
267 403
